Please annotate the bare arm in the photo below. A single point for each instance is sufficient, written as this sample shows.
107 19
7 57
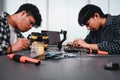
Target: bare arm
81 43
21 43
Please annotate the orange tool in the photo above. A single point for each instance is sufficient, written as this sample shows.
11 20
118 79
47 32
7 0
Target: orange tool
24 59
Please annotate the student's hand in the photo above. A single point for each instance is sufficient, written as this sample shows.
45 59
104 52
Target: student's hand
79 43
21 43
69 43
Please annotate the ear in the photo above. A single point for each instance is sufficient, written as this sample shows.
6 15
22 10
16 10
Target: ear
23 13
96 15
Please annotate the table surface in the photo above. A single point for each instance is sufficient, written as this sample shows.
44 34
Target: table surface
80 68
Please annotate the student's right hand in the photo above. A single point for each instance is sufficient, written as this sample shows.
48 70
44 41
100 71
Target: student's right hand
21 43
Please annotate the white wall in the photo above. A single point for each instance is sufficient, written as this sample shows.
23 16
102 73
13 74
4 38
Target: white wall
1 5
74 29
103 4
114 6
63 14
11 6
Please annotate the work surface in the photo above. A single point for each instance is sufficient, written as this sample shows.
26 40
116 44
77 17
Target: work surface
80 68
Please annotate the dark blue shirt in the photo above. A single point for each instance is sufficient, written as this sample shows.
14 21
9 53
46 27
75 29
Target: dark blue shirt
108 36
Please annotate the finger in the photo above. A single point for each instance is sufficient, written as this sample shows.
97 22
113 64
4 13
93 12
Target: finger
75 44
25 45
78 45
75 41
26 41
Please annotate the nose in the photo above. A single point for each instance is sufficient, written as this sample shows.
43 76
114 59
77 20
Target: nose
88 28
30 26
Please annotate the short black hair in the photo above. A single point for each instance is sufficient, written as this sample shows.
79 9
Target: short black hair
87 12
32 10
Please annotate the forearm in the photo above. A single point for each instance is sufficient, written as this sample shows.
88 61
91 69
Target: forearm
12 49
9 50
92 46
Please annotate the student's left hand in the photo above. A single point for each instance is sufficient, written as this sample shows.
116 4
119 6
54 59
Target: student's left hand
79 43
21 43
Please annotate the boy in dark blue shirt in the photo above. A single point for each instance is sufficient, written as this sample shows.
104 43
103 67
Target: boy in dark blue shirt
104 30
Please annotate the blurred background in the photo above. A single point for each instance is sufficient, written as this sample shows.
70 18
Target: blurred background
61 14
